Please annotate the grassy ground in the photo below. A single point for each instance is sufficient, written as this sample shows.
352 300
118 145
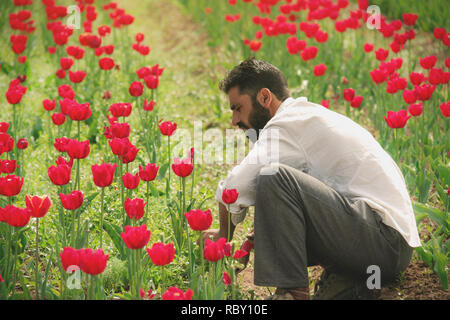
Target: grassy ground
189 93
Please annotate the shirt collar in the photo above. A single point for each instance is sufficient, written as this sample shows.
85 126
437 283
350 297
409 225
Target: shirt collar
289 101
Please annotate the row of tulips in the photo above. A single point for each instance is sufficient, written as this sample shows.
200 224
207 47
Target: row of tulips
74 110
378 71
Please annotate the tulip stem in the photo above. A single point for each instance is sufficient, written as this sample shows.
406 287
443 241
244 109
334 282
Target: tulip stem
146 205
101 218
229 223
37 258
168 155
73 228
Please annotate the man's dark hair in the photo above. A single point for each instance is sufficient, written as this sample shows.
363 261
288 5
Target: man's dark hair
252 75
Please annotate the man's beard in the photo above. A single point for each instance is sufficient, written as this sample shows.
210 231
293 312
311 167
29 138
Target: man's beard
258 117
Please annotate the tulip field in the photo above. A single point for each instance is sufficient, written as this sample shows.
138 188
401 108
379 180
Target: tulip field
103 194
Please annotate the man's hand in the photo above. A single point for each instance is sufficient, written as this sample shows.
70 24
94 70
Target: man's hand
213 234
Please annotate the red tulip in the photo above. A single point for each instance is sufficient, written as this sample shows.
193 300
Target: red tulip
439 33
120 109
120 130
10 185
58 118
415 109
15 93
8 166
106 63
356 101
199 220
61 161
60 174
161 254
326 103
409 96
103 174
294 45
4 126
69 257
92 262
73 200
168 128
229 196
66 63
75 51
368 47
174 293
136 89
135 208
151 81
213 251
149 105
77 76
255 45
61 144
319 70
139 37
149 172
130 154
183 167
409 19
309 53
381 54
6 143
445 109
104 30
378 76
416 78
80 112
349 94
136 237
397 120
435 76
226 279
49 105
38 205
424 92
239 254
66 91
16 217
119 146
130 181
428 62
78 149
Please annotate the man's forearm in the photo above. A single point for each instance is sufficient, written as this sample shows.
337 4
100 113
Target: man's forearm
224 221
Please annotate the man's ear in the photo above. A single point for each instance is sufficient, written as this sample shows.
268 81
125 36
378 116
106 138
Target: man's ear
264 97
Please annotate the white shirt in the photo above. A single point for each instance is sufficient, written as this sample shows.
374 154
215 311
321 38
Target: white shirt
335 150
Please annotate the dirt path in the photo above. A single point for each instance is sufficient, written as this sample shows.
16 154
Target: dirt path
180 45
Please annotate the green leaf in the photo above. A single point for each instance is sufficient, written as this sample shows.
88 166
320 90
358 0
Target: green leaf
37 128
47 270
26 292
425 255
444 175
87 201
436 215
162 171
114 233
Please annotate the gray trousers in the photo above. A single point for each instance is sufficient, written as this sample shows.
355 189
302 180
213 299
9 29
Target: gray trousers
301 222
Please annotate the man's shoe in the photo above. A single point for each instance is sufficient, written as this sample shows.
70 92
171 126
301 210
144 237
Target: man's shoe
290 294
333 286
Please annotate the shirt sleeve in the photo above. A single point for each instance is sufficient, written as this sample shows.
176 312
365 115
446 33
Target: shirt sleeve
273 147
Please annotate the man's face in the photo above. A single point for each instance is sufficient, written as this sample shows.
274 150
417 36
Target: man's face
246 114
